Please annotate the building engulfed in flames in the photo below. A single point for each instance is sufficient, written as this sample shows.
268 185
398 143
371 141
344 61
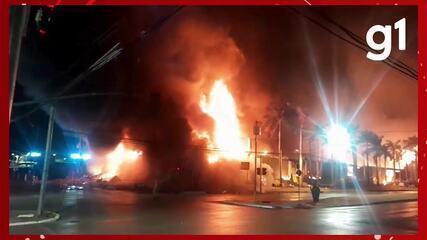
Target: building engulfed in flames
228 145
226 142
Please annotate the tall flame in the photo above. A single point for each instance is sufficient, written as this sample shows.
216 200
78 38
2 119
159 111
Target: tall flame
227 138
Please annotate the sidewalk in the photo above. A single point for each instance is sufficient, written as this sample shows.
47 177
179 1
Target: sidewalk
327 189
327 199
19 218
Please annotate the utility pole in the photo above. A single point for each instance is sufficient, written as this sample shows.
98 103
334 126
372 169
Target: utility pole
46 160
257 132
260 174
18 26
255 167
280 151
319 159
300 155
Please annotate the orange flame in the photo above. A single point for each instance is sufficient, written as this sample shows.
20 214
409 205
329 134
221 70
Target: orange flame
115 159
227 138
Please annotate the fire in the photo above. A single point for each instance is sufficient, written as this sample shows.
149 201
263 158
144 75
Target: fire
115 159
389 175
227 137
408 156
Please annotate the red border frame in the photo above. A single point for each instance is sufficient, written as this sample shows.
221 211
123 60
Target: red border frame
4 120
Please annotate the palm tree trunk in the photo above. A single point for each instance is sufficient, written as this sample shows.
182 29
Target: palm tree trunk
416 168
394 170
354 155
400 170
377 171
407 172
385 168
368 181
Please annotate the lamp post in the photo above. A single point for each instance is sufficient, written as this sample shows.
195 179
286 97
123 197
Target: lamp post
46 160
18 27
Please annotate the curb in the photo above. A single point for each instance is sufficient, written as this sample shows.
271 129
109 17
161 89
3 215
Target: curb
373 203
48 220
307 206
265 206
254 205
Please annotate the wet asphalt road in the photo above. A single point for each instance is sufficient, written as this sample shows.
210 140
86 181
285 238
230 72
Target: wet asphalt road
122 212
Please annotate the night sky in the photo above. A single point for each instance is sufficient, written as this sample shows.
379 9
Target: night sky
266 55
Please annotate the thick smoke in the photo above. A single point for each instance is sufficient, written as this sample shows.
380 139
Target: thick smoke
183 61
266 56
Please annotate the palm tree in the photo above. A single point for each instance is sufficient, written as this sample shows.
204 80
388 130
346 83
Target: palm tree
367 137
320 135
377 149
411 144
275 113
395 152
280 114
384 151
354 134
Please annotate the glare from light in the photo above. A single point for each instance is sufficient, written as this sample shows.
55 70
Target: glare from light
75 156
86 156
408 156
35 154
339 142
340 218
350 172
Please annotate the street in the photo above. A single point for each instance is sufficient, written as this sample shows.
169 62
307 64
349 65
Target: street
124 212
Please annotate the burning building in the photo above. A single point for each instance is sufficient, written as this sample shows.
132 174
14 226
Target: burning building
195 82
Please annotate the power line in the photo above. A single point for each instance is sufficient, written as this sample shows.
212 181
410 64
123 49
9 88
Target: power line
111 54
356 41
74 96
80 77
361 41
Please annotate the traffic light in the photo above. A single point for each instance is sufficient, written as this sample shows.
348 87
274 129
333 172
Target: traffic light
43 19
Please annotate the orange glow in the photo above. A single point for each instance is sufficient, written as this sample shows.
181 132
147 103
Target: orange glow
227 137
115 159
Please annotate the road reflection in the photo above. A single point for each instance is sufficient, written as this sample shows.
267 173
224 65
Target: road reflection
116 212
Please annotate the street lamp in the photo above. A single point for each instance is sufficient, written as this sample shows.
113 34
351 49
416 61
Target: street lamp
338 144
338 141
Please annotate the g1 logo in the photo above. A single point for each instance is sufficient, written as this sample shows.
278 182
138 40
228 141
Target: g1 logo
385 46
